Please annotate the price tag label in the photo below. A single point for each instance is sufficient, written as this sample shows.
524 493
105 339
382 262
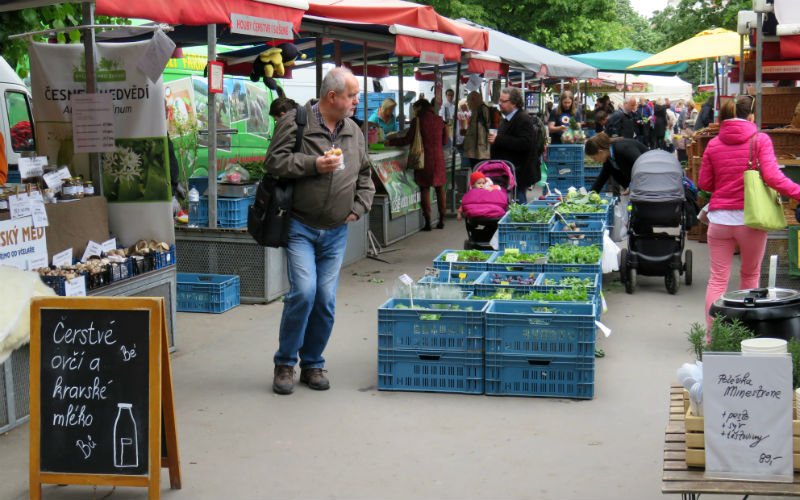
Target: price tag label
109 245
37 262
503 282
92 248
583 191
19 205
63 258
431 272
75 287
451 257
511 251
39 213
31 167
55 179
406 280
461 276
540 260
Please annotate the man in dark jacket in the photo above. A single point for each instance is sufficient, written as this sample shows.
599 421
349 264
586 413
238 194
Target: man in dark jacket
623 122
706 116
515 140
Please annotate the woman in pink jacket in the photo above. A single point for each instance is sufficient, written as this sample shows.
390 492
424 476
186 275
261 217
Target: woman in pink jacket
725 159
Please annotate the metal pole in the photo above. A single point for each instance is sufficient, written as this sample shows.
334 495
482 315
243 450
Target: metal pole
759 56
455 137
212 134
337 52
318 62
401 116
91 85
741 64
366 110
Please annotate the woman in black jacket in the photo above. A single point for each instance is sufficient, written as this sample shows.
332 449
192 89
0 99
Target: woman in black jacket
660 124
617 156
706 115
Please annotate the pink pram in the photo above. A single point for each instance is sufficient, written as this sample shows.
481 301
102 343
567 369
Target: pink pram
482 208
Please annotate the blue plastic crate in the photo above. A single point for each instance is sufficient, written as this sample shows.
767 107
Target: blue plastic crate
533 375
440 263
591 170
212 293
563 169
565 153
485 287
432 328
231 212
467 283
573 268
493 265
121 270
528 237
13 177
430 371
591 232
564 182
555 281
57 283
164 259
541 328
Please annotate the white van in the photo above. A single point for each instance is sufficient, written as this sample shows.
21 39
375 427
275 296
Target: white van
16 117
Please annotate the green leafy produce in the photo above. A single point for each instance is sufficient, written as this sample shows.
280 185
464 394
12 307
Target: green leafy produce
575 282
524 213
726 336
563 295
565 253
511 258
467 256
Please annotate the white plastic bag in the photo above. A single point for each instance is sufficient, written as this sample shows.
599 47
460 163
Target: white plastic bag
495 242
620 230
610 259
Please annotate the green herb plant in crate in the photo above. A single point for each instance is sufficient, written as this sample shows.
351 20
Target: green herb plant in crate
565 253
524 214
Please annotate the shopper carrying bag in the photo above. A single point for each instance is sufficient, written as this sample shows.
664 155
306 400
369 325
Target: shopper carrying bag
762 204
416 153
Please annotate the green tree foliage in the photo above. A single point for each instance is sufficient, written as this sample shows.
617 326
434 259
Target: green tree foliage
55 16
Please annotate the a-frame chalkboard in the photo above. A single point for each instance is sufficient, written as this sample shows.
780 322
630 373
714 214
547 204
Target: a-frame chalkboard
102 408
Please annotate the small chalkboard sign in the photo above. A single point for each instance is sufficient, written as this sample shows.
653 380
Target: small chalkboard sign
100 373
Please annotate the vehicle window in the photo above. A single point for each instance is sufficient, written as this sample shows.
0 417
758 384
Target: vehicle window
19 121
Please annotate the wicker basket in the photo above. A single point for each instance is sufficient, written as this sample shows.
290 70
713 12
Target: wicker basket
786 141
777 104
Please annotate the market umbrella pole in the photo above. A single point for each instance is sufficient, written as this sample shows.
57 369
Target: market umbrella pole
401 116
759 57
455 138
212 134
741 64
91 84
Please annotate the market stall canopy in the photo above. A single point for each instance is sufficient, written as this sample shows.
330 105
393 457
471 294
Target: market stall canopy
9 5
619 60
204 12
524 55
650 87
716 42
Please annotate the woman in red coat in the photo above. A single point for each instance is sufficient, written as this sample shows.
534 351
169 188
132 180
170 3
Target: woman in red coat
434 136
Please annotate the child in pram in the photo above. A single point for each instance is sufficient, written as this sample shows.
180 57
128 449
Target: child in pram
483 208
484 199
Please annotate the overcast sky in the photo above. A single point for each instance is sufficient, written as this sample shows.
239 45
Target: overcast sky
646 7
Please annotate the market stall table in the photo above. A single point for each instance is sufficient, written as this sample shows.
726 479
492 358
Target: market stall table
691 482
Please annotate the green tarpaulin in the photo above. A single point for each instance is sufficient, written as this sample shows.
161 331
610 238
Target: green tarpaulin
619 60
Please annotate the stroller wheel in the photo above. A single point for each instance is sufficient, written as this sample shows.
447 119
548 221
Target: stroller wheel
623 265
630 281
687 267
673 281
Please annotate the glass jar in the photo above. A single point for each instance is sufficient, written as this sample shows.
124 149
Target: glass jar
69 190
88 188
3 204
78 187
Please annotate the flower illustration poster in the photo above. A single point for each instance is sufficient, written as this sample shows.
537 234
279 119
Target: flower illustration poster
137 170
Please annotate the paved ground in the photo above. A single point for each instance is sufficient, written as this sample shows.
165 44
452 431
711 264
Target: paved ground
239 440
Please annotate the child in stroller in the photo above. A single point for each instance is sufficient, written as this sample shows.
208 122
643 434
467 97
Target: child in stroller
483 208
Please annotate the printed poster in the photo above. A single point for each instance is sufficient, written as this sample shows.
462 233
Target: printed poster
404 194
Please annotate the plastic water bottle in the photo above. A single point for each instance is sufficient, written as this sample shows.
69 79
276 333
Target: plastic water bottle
194 207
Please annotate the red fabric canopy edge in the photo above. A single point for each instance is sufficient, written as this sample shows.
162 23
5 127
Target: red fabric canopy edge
411 46
197 12
386 12
373 70
474 38
480 66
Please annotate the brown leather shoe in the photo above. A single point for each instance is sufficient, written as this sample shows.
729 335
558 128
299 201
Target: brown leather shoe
283 382
315 379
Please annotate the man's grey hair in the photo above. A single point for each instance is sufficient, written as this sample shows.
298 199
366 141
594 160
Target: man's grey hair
515 96
335 80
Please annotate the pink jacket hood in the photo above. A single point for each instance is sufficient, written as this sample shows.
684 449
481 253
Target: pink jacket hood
736 131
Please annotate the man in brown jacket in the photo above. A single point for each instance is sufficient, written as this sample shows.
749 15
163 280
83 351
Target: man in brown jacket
333 186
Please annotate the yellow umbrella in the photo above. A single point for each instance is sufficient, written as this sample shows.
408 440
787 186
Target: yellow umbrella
716 42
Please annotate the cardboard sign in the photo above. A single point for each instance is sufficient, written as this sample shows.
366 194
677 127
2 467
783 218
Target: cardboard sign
747 409
31 167
92 248
434 58
261 27
63 258
22 245
101 382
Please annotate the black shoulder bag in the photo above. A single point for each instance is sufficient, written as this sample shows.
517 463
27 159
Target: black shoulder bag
268 217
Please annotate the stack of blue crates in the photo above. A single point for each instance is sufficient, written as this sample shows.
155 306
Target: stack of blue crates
564 166
528 237
436 346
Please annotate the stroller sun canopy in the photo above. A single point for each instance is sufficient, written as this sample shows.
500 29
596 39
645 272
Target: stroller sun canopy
657 177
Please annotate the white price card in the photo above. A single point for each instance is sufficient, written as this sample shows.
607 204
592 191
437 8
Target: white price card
92 123
451 257
37 262
32 166
63 258
19 205
406 280
39 213
156 55
55 179
109 245
431 272
92 248
75 287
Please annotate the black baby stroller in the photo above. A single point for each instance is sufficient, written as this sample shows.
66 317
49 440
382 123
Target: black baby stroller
481 229
657 201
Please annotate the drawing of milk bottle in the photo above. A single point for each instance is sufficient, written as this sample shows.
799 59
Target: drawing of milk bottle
126 447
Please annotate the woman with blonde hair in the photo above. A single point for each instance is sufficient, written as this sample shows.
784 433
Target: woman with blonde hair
384 116
558 121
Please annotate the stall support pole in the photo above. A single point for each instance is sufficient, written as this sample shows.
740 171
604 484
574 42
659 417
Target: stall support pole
759 55
716 88
366 109
91 84
337 53
212 134
455 137
741 64
625 87
318 63
401 115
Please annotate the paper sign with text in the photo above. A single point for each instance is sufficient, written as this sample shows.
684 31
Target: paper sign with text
109 245
31 167
63 258
55 179
92 248
19 205
76 287
21 244
747 409
39 213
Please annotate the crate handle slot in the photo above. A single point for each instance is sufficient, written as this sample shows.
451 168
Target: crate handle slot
429 357
539 362
430 317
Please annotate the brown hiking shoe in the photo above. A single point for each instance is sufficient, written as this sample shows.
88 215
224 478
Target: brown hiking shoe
283 383
315 379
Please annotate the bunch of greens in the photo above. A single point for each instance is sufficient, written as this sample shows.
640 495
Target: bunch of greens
571 281
512 258
565 253
446 307
575 294
467 256
524 213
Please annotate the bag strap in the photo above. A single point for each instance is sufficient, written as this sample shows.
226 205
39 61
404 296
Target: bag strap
751 165
300 118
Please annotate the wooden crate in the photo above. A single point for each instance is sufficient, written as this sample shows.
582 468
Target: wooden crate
777 104
695 439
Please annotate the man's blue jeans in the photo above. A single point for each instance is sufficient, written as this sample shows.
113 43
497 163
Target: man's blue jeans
314 259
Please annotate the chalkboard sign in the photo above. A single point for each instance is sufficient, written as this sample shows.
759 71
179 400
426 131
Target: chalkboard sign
99 374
